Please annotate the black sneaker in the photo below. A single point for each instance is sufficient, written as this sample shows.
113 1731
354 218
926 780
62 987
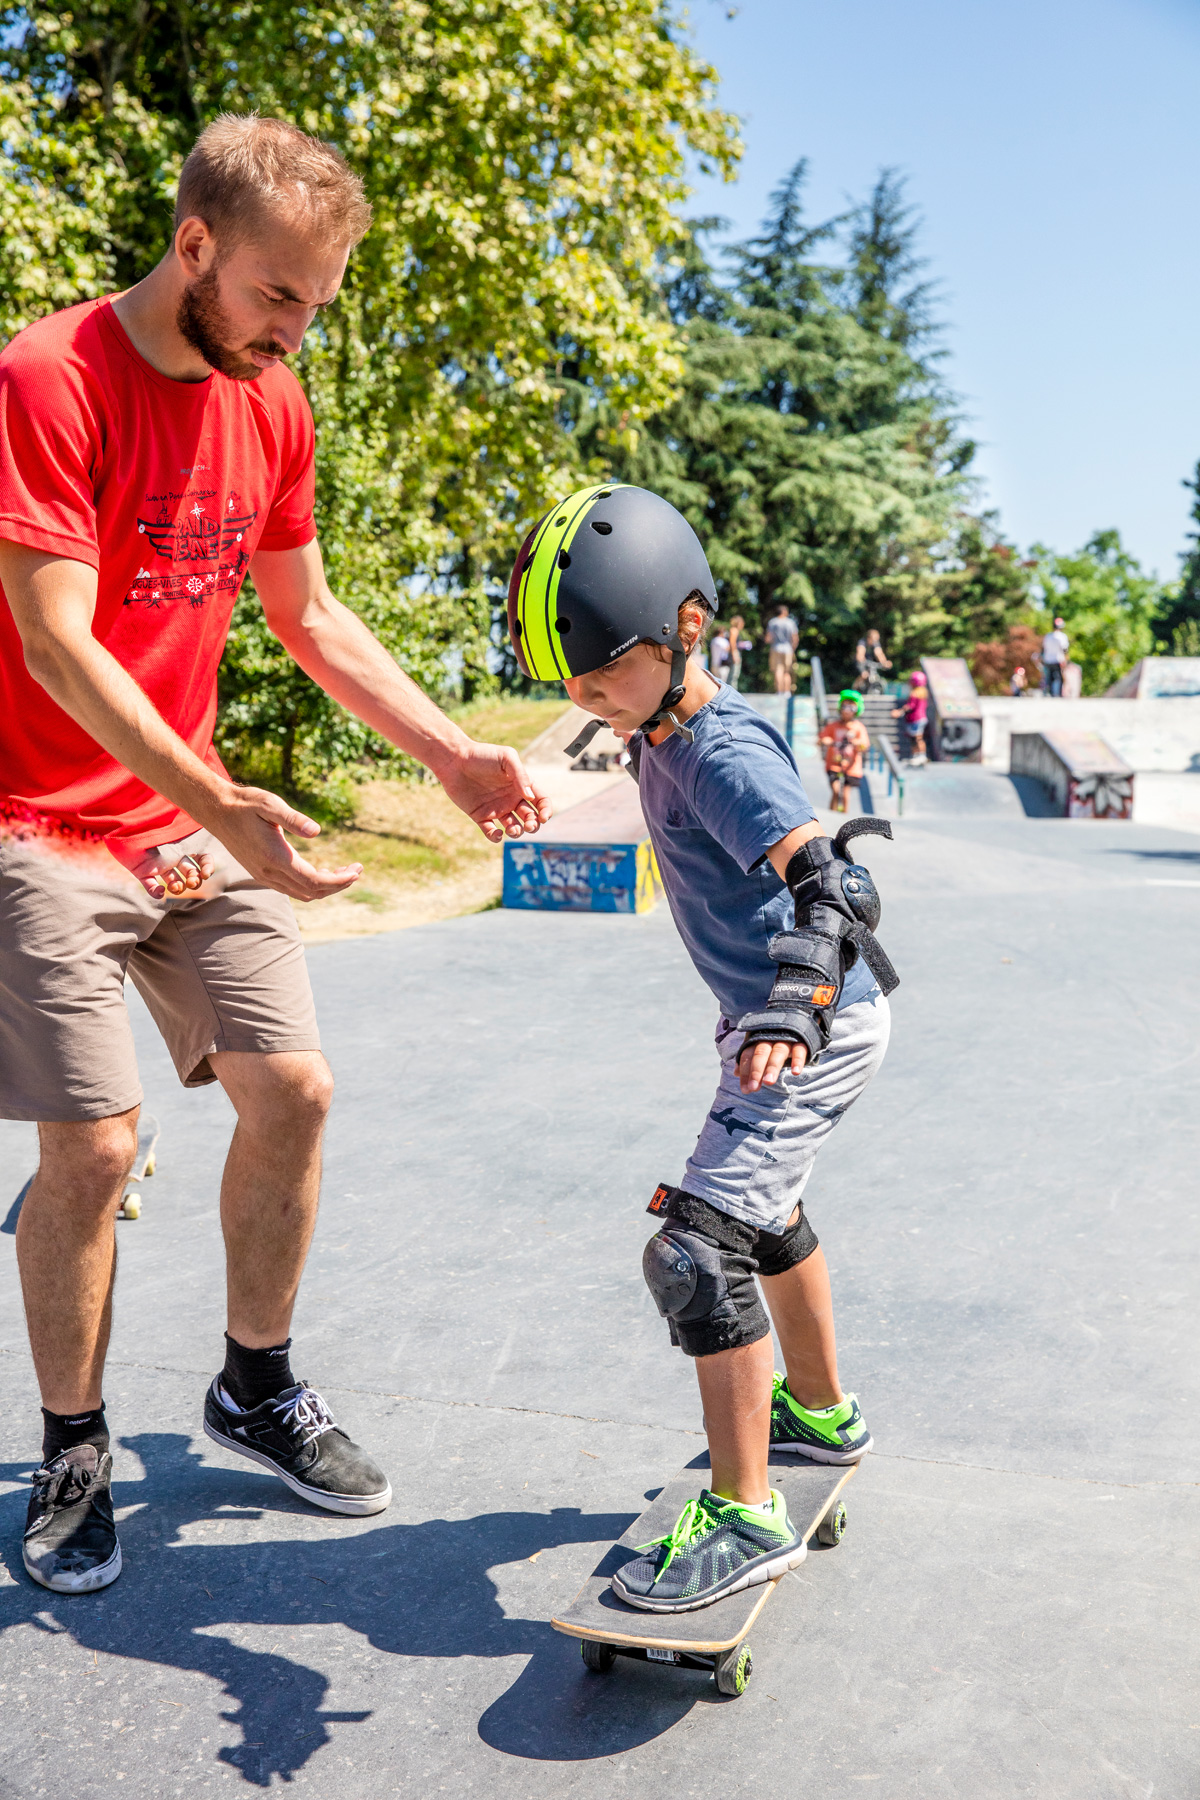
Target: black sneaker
297 1438
70 1538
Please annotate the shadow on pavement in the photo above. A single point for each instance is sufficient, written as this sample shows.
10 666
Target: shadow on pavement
410 1590
558 1711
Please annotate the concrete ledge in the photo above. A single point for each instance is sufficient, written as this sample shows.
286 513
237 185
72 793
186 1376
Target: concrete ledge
1084 776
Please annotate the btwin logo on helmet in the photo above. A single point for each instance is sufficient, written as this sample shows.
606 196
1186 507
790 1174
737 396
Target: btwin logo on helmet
622 648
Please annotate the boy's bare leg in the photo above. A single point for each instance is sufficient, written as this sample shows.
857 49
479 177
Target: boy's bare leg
735 1386
270 1187
67 1254
801 1306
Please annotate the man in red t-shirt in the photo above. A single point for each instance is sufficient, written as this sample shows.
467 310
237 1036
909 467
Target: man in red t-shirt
153 449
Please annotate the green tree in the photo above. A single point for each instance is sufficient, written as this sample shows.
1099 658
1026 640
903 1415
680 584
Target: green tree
1177 620
1106 601
525 159
812 445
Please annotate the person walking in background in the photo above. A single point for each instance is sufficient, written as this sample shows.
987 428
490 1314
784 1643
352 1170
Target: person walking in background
718 654
915 713
1018 682
1055 646
783 634
737 631
1072 681
870 664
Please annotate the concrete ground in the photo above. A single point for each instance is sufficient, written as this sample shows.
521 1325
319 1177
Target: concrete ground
1011 1218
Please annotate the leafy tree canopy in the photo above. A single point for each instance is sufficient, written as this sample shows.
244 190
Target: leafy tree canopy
1107 603
812 444
524 158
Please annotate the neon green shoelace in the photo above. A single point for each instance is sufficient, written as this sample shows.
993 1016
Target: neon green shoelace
691 1524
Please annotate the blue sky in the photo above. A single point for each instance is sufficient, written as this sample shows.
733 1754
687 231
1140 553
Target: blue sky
1054 152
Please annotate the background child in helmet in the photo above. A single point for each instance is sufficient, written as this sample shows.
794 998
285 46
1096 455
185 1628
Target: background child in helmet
915 713
845 739
727 811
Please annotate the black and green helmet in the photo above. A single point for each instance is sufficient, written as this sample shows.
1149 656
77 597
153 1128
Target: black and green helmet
605 569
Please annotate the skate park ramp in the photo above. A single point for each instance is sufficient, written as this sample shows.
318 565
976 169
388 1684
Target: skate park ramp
938 791
1010 1215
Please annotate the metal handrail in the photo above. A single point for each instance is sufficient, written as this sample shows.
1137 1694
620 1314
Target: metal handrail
881 756
817 688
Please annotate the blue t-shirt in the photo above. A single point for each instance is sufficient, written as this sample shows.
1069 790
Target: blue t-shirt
713 809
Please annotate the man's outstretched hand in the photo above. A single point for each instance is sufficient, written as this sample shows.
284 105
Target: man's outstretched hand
489 783
250 823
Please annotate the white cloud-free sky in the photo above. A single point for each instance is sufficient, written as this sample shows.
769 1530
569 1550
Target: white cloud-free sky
1053 148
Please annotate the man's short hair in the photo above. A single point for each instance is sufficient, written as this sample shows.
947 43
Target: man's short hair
244 173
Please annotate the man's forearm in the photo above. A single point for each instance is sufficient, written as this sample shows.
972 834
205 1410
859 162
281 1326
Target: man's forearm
333 646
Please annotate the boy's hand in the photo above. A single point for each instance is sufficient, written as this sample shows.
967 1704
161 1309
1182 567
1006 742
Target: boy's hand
765 1062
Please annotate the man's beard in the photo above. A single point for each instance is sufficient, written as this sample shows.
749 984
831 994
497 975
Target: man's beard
203 321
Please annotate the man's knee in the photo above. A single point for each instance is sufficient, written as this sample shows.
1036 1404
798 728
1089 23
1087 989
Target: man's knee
290 1090
90 1157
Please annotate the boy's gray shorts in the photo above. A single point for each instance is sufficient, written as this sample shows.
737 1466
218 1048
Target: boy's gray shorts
755 1153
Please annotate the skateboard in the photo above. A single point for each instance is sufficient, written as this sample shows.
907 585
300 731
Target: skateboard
714 1638
143 1166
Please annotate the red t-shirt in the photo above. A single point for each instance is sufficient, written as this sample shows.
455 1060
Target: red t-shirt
167 489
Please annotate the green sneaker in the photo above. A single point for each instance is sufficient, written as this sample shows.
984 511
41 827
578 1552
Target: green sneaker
835 1434
716 1548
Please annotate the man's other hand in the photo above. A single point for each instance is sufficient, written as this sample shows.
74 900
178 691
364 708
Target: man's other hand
489 783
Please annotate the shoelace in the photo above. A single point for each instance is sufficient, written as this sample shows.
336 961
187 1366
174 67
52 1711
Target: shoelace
307 1414
51 1482
691 1524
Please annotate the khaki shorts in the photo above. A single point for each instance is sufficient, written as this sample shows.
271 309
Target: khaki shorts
780 659
220 970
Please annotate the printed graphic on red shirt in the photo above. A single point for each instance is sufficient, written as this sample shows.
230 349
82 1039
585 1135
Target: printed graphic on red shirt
205 534
167 489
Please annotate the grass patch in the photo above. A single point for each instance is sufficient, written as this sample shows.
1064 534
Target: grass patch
410 838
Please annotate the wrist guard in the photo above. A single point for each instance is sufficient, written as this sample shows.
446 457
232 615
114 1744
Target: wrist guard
837 910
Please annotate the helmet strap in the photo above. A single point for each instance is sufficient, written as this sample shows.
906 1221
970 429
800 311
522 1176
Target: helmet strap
672 697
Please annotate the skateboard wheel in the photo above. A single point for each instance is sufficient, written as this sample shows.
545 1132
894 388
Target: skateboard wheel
150 1164
600 1657
132 1207
832 1528
734 1670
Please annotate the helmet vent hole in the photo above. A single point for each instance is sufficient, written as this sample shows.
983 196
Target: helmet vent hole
562 626
558 523
564 561
517 628
602 526
604 494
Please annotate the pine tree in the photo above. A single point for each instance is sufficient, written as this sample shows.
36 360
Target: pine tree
1177 621
812 446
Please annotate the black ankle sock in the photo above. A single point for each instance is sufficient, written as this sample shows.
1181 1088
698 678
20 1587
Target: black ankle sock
252 1376
62 1431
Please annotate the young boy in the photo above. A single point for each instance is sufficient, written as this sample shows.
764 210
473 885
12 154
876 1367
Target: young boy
846 740
915 713
610 593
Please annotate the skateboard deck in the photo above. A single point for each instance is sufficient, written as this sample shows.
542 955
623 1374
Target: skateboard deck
143 1165
713 1638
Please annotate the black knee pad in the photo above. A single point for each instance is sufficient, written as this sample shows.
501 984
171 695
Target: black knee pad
777 1252
701 1275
